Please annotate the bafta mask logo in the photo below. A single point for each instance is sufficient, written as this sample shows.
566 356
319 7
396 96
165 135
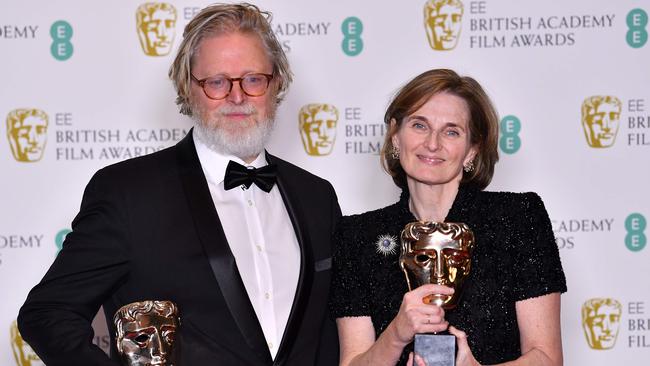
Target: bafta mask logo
24 354
156 24
600 321
27 134
438 253
600 119
317 124
146 333
442 22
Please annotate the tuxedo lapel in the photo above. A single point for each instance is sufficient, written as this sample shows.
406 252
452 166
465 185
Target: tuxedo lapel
217 250
292 204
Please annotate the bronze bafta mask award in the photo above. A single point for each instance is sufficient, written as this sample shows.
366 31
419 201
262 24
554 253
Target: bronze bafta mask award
437 253
146 333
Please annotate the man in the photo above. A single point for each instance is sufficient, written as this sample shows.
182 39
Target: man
248 269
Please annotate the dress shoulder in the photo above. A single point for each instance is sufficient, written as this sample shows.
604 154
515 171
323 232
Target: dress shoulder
537 265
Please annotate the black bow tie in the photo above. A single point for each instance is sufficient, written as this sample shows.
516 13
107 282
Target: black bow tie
237 175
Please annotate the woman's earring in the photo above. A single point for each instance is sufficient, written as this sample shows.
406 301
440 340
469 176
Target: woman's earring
394 153
469 166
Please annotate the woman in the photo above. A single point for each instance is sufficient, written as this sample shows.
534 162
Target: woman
440 149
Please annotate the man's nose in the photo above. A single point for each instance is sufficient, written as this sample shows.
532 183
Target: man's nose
236 95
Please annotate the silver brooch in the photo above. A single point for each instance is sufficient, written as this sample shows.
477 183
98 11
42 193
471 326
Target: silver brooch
386 244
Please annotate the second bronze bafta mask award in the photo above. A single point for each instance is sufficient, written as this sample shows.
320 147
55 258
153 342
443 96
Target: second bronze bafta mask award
437 253
146 333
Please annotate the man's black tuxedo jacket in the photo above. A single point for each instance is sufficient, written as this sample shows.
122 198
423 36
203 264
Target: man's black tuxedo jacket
148 230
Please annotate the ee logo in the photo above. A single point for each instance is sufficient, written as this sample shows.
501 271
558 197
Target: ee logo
637 35
352 27
59 238
510 141
635 225
61 32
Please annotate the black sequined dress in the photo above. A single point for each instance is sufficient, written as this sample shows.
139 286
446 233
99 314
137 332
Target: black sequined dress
515 258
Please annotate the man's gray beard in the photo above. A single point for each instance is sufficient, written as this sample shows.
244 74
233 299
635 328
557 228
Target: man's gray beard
244 145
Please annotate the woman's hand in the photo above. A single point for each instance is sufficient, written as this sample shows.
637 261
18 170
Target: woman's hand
357 334
415 361
464 357
415 316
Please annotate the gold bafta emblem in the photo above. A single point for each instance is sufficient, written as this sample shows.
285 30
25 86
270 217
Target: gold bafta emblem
27 134
156 24
317 123
600 321
24 354
146 333
442 22
600 119
438 253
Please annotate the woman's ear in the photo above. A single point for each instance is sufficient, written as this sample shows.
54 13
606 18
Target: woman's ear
393 131
471 155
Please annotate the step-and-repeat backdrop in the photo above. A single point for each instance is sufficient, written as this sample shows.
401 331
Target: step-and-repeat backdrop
84 84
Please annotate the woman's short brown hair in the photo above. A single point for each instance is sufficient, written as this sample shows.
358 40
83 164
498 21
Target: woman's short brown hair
223 19
483 123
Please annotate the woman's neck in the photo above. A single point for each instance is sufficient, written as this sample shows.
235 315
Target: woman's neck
431 202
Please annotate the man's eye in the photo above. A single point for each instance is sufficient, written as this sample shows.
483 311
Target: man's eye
216 83
254 79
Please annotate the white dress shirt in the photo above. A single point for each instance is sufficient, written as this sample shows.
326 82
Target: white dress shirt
262 239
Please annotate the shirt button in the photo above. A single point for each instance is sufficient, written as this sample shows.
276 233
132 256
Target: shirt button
259 248
270 345
267 295
250 203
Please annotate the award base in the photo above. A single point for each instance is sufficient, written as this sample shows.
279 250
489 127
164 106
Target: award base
436 349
